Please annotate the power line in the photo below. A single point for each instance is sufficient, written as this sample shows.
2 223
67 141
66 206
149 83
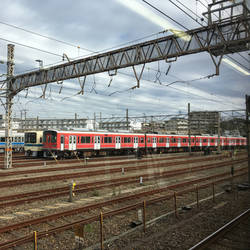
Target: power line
95 52
30 47
185 11
45 36
165 14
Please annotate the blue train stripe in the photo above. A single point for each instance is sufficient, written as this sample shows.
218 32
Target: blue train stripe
32 145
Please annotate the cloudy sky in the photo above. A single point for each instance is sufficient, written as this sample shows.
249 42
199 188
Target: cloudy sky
79 28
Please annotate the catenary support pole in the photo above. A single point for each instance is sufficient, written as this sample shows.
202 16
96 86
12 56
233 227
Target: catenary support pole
247 130
9 97
189 130
219 133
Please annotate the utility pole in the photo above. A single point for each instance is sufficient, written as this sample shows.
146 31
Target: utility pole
127 119
9 97
75 119
219 134
94 122
247 128
189 130
25 122
37 123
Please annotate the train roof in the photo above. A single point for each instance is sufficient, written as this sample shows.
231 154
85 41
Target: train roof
131 133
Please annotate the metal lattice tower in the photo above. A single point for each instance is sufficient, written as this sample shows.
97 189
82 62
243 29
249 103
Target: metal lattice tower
8 113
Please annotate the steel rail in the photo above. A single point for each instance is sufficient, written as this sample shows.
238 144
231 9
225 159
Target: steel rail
99 205
220 232
86 187
16 182
104 164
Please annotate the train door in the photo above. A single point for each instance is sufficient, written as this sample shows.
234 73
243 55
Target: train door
208 142
167 142
154 142
200 142
62 142
135 142
179 143
72 142
117 142
97 144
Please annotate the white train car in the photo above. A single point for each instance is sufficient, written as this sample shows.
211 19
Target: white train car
33 143
17 139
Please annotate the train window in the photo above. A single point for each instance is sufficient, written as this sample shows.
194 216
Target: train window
193 140
212 140
184 140
204 140
30 137
53 138
85 139
149 140
173 140
41 139
78 139
167 140
2 139
107 139
161 139
142 140
127 139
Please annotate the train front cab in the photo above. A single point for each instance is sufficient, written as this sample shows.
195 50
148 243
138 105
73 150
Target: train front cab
50 143
33 143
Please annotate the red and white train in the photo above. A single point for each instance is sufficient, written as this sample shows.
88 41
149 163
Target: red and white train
67 143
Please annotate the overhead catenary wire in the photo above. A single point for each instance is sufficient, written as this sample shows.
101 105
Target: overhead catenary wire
152 6
31 47
44 36
186 12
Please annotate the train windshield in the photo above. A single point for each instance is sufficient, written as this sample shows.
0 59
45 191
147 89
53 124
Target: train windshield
30 137
49 136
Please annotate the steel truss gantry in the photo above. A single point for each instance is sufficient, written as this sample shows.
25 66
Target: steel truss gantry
218 39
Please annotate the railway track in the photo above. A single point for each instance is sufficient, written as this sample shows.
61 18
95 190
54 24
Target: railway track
85 187
33 162
119 210
233 235
50 178
105 164
38 162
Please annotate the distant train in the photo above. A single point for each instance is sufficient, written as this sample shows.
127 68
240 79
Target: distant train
17 139
68 143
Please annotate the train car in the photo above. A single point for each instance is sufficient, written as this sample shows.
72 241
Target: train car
33 143
17 139
67 143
